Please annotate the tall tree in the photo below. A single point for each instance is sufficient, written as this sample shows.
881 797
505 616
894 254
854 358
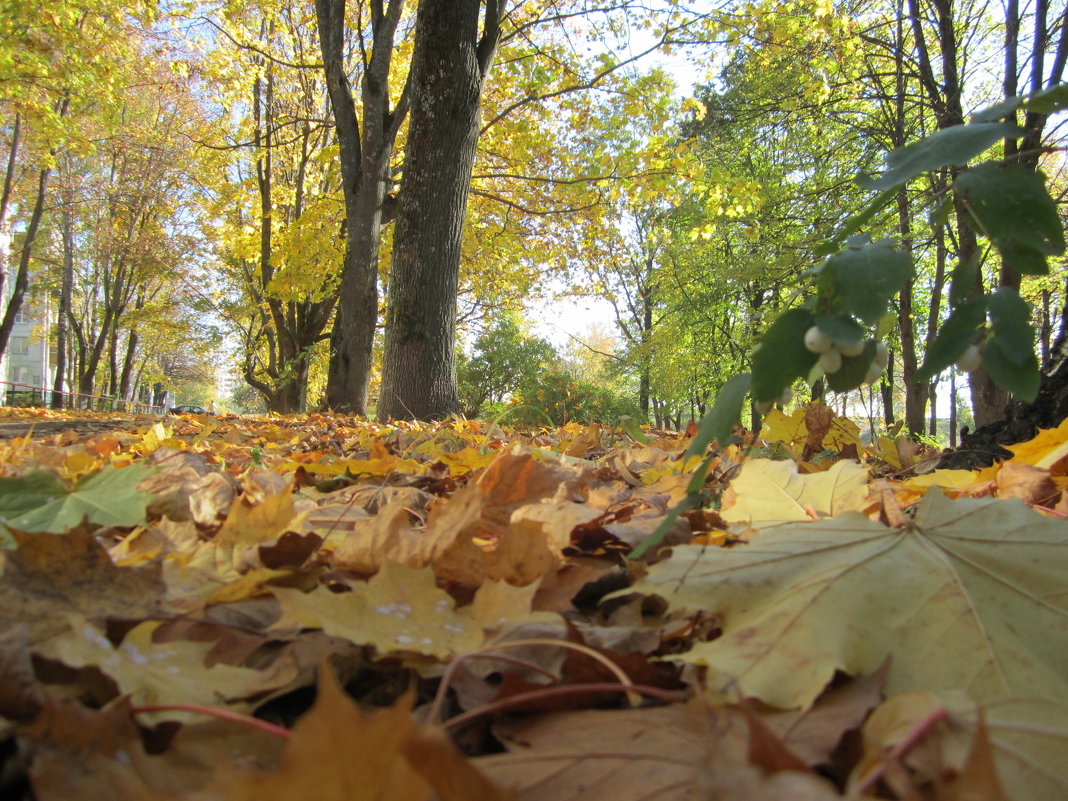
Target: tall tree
366 138
451 61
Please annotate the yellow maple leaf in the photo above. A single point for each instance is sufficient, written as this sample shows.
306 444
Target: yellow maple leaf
402 610
1044 450
788 430
767 492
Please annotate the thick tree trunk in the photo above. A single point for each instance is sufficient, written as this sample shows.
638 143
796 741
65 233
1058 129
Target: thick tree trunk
448 68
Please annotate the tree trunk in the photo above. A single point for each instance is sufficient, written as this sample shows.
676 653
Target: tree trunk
59 385
364 162
449 66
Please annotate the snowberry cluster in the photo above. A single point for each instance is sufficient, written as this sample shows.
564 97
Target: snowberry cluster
831 354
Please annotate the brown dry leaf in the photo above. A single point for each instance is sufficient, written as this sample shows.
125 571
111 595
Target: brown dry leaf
1030 484
813 734
53 575
248 527
210 498
337 753
386 536
517 554
685 751
818 419
21 696
1028 740
978 779
80 753
586 441
171 485
557 520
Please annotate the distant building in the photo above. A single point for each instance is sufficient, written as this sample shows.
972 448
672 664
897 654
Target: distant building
28 359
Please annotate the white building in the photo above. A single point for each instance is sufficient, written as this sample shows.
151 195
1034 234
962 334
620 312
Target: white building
26 366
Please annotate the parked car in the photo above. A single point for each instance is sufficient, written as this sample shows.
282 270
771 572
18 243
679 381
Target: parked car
190 409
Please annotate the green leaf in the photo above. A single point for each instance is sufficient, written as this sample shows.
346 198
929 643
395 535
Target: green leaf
866 277
1014 210
957 145
25 493
633 429
1010 317
853 371
1023 381
1050 100
782 357
108 497
841 328
998 110
956 334
720 419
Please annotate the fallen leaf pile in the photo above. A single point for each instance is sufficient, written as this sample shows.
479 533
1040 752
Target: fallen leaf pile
206 609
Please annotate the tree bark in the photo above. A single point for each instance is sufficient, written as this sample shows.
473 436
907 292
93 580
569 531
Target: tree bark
66 292
449 66
364 162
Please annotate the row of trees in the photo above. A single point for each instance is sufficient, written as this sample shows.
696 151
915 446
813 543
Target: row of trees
346 186
94 212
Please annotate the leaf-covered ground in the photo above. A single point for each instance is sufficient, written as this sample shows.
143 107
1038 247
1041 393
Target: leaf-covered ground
318 607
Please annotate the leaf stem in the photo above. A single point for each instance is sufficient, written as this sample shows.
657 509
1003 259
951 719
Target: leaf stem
439 698
667 696
215 712
919 730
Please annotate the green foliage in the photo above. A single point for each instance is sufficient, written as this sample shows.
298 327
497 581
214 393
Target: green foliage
561 397
956 145
503 360
861 279
1014 211
1009 205
782 356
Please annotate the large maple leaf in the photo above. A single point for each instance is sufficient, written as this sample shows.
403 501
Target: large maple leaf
970 594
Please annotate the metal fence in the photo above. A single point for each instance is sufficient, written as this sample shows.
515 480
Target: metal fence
29 395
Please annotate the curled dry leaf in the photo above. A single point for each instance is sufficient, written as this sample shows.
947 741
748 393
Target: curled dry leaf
676 753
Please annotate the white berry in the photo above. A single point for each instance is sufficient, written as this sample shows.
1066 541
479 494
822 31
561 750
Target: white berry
874 371
855 349
970 360
831 361
817 341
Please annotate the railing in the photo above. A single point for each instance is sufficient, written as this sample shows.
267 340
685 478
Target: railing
29 395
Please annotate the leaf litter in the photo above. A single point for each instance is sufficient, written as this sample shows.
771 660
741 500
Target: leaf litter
230 608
